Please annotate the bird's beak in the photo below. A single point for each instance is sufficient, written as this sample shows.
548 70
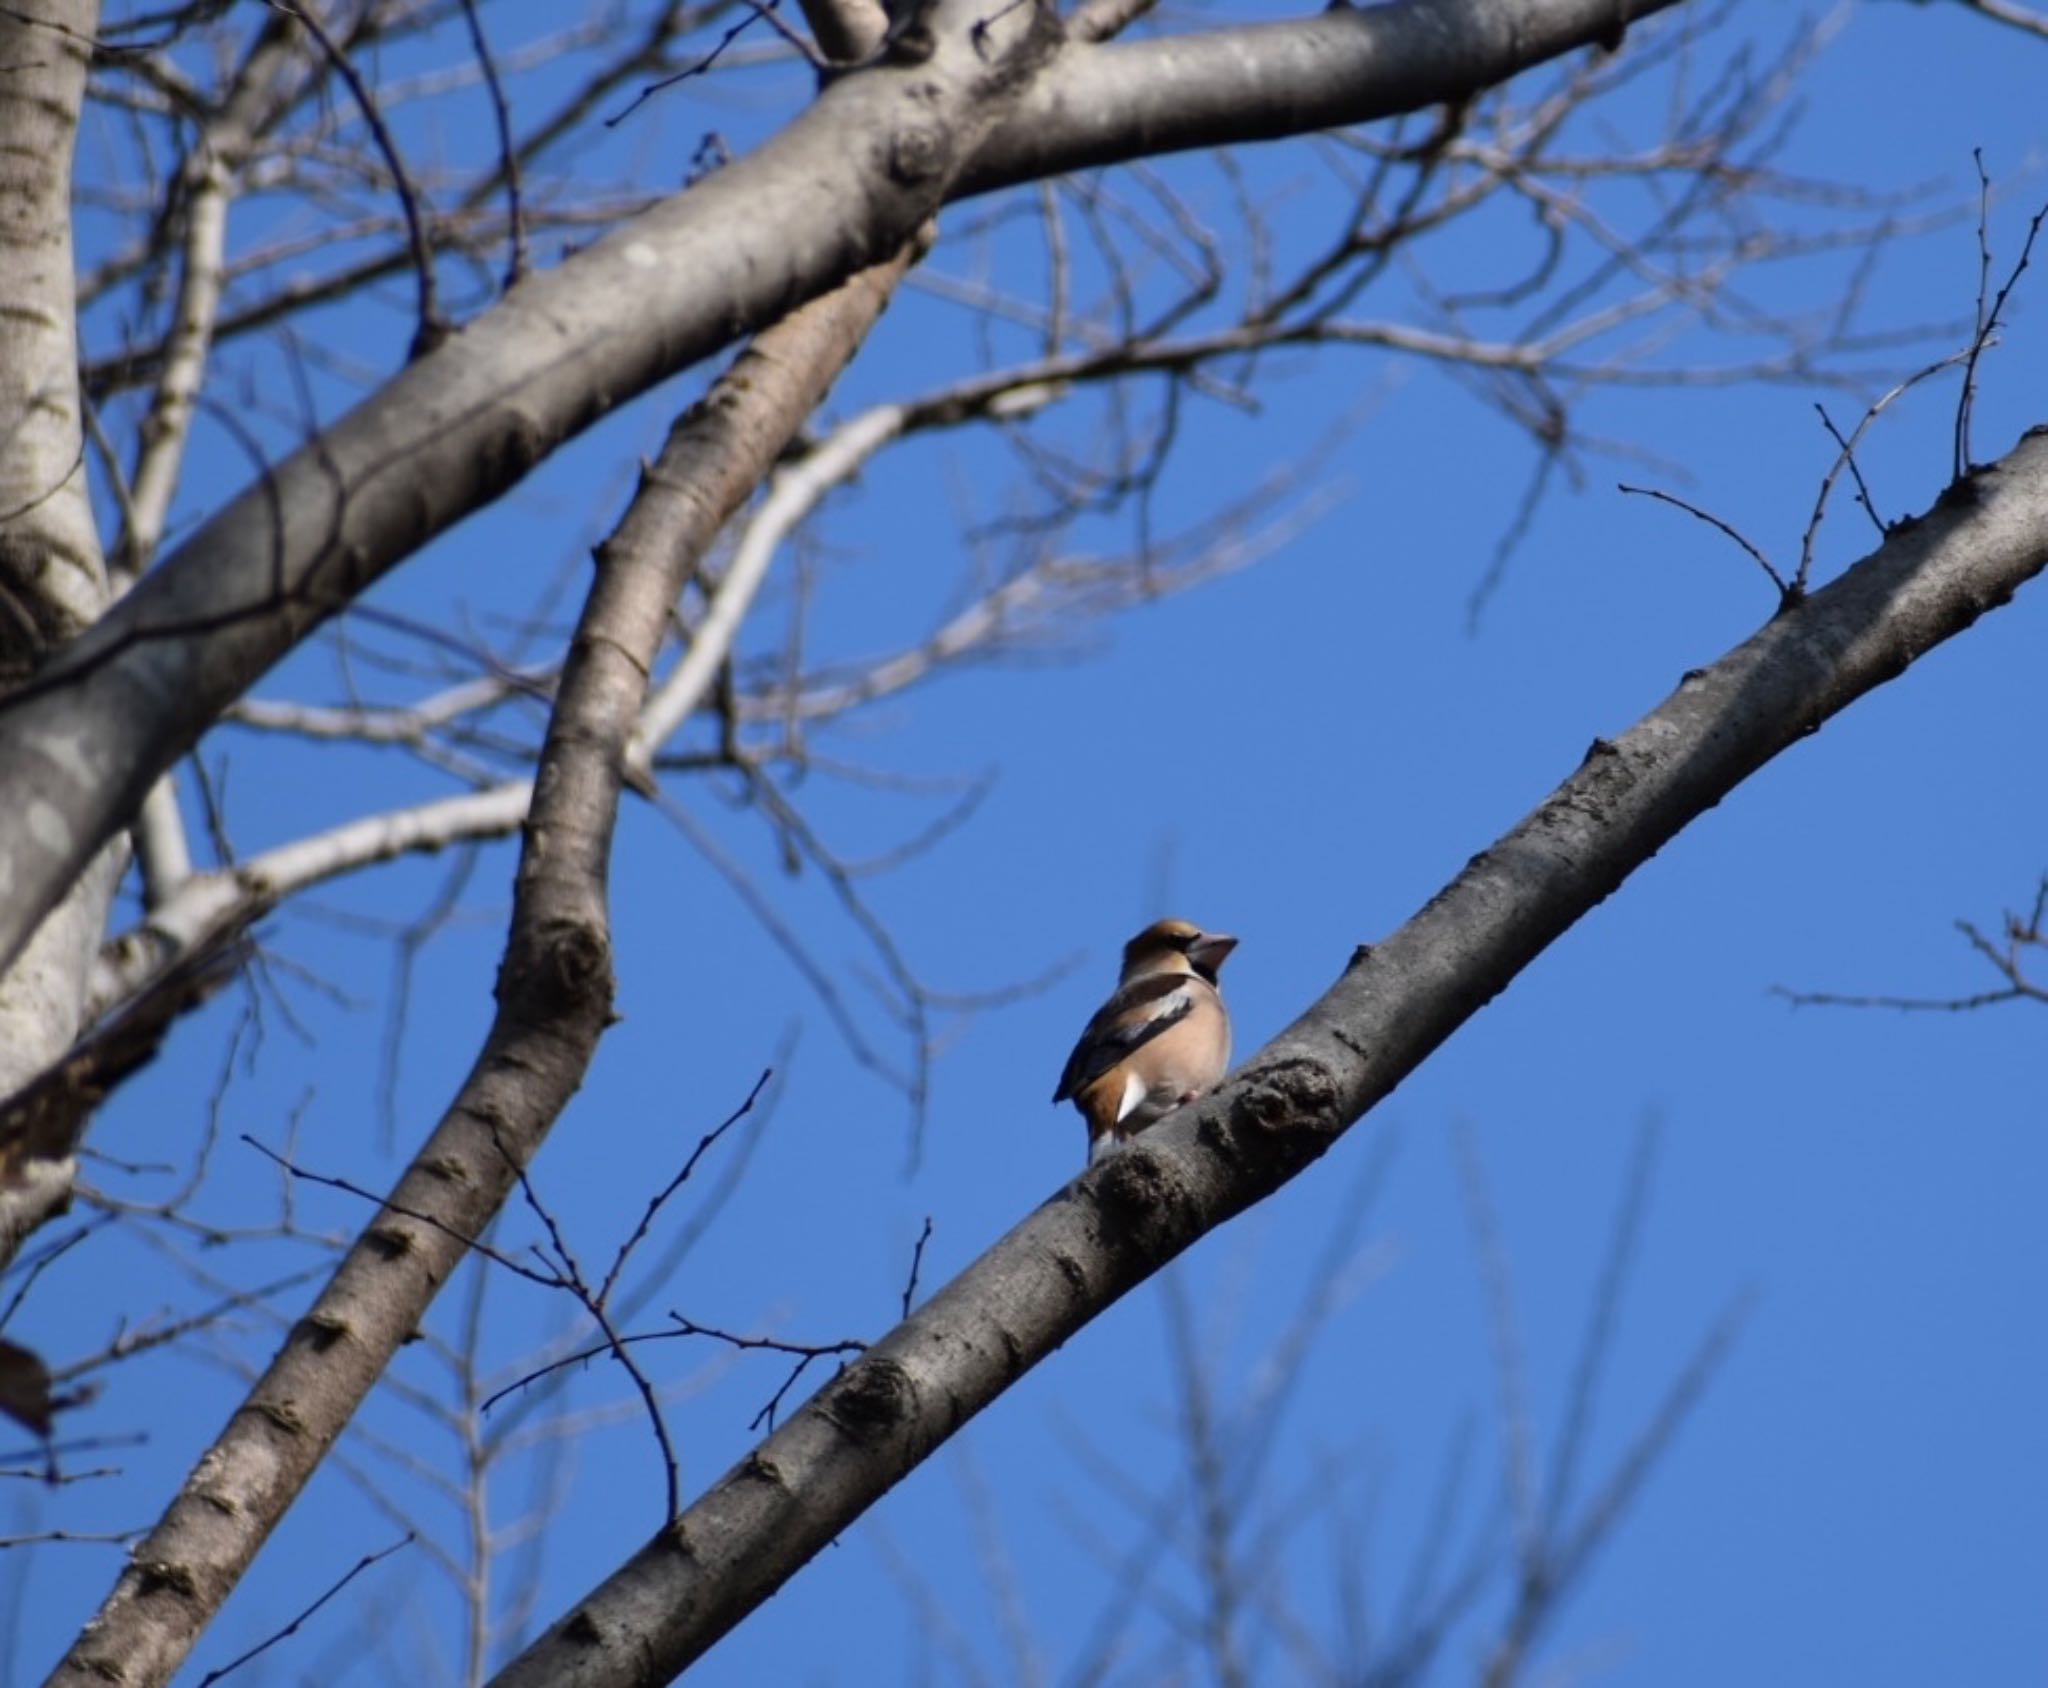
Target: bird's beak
1209 950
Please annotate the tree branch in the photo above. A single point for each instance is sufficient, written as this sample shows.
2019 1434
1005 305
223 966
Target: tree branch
1394 1004
846 184
53 577
554 1001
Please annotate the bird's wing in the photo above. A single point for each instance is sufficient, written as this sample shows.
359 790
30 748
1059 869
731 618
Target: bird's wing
1132 1018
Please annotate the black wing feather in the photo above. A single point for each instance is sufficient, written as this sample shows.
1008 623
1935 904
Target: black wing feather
1105 1042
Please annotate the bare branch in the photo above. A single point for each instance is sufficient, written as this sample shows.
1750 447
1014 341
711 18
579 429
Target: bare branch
916 1261
2009 959
442 437
508 153
554 1001
361 1565
1988 310
1787 591
433 327
1397 1001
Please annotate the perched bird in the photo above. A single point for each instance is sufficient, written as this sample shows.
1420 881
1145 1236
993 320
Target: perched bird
1161 1040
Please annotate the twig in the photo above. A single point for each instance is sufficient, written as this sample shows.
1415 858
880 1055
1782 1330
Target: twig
45 1259
1788 594
1848 456
1987 320
508 154
128 1344
563 1362
572 1279
292 1628
2022 932
548 1279
433 326
805 1354
654 1207
1845 458
756 13
106 1538
916 1260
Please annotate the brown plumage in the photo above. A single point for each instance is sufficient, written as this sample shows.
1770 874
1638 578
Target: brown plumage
1162 1039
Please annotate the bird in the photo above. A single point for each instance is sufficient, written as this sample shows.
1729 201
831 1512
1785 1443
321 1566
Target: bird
1163 1037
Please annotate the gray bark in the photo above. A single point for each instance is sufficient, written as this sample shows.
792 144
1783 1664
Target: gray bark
554 1001
1394 1004
843 186
1260 82
53 581
53 578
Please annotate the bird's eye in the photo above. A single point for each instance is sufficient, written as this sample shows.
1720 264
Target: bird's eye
1188 941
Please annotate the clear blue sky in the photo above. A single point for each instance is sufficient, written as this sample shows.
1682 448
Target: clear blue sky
1301 753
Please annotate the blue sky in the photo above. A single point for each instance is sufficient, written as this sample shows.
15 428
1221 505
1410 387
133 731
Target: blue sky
1300 753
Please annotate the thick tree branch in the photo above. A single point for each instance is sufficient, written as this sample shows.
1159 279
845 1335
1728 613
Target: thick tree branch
53 578
554 1001
845 184
1395 1003
1260 82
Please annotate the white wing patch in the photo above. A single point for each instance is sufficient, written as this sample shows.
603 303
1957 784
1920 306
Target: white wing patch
1134 1094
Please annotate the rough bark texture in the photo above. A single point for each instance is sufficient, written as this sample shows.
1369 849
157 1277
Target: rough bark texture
52 577
554 1001
52 580
845 184
1395 1003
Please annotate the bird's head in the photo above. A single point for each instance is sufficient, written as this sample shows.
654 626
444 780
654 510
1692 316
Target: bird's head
1176 946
